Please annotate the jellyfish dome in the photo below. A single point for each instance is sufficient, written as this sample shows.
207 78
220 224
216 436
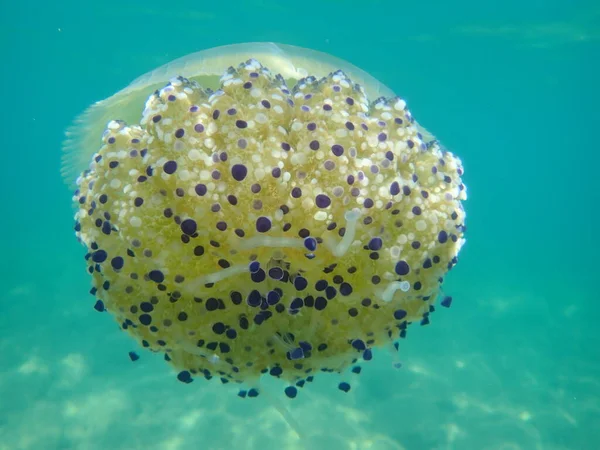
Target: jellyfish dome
262 209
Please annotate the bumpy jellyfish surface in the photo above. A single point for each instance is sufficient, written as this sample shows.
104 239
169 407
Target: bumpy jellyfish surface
271 213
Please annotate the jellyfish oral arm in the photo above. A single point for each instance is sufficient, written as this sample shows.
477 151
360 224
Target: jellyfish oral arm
388 294
268 241
217 276
343 246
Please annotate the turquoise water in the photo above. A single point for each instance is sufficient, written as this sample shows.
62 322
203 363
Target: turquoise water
514 364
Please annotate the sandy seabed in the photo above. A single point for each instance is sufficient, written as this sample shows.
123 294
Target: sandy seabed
67 383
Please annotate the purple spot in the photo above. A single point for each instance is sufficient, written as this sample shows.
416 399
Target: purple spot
99 256
442 237
179 133
276 273
117 262
296 353
239 172
157 276
200 189
375 244
337 150
300 283
254 266
170 167
263 224
198 128
402 268
345 289
314 145
241 123
358 344
310 243
322 201
189 227
273 298
399 314
253 298
344 387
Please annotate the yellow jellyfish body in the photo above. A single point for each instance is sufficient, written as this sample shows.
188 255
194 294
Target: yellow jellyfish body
263 209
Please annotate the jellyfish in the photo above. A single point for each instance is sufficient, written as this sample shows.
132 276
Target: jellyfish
263 210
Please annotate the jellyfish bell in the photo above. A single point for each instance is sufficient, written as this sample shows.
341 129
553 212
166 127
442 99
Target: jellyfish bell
205 67
263 210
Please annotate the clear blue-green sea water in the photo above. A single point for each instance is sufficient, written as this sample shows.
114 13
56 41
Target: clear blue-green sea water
511 88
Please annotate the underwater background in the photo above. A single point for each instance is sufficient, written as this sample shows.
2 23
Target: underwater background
511 88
